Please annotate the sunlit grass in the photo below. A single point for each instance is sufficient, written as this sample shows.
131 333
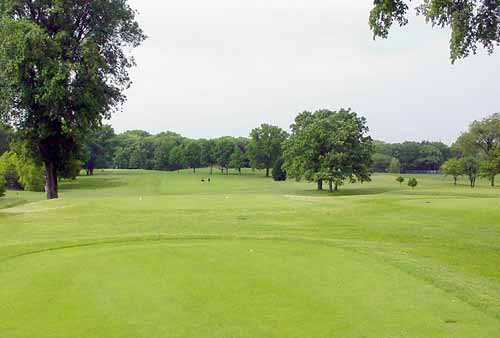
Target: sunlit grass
153 254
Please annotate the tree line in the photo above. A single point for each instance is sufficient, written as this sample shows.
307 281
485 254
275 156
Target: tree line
170 151
325 146
477 152
411 157
64 69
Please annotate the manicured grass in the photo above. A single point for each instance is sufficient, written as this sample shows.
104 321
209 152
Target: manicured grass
152 254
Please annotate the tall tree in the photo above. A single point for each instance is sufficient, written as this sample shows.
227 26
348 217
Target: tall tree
192 155
473 23
482 141
223 150
266 146
63 69
329 146
490 167
163 147
98 149
237 158
176 158
483 136
208 154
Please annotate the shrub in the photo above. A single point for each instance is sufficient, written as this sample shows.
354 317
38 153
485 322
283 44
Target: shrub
32 177
9 163
400 180
279 174
21 173
412 182
71 169
2 186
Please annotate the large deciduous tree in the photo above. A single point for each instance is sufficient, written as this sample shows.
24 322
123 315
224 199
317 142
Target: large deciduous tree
98 149
192 155
266 146
63 69
329 146
237 158
482 141
224 148
208 154
473 23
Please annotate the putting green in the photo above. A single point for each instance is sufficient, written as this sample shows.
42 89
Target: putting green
224 288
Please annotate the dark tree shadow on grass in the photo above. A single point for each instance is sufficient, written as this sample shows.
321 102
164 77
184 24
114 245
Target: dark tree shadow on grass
349 192
92 183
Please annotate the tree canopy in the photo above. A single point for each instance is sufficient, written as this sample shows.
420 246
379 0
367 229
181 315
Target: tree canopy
412 156
63 69
482 142
266 146
329 146
473 23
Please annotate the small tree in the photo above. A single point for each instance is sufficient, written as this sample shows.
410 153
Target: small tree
453 167
490 167
471 169
395 166
279 174
400 180
412 182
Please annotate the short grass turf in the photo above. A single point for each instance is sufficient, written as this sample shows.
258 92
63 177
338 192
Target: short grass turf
154 254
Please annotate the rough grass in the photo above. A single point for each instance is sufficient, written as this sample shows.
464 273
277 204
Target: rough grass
149 254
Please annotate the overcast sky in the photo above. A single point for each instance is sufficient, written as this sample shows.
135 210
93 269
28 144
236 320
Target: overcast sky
222 67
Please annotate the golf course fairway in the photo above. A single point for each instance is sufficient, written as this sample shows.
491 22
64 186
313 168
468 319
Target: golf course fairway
135 254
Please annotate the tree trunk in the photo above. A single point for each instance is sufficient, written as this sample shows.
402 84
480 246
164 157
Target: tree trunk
194 170
211 170
267 172
320 185
330 185
227 171
51 180
239 171
336 187
472 181
455 180
493 181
